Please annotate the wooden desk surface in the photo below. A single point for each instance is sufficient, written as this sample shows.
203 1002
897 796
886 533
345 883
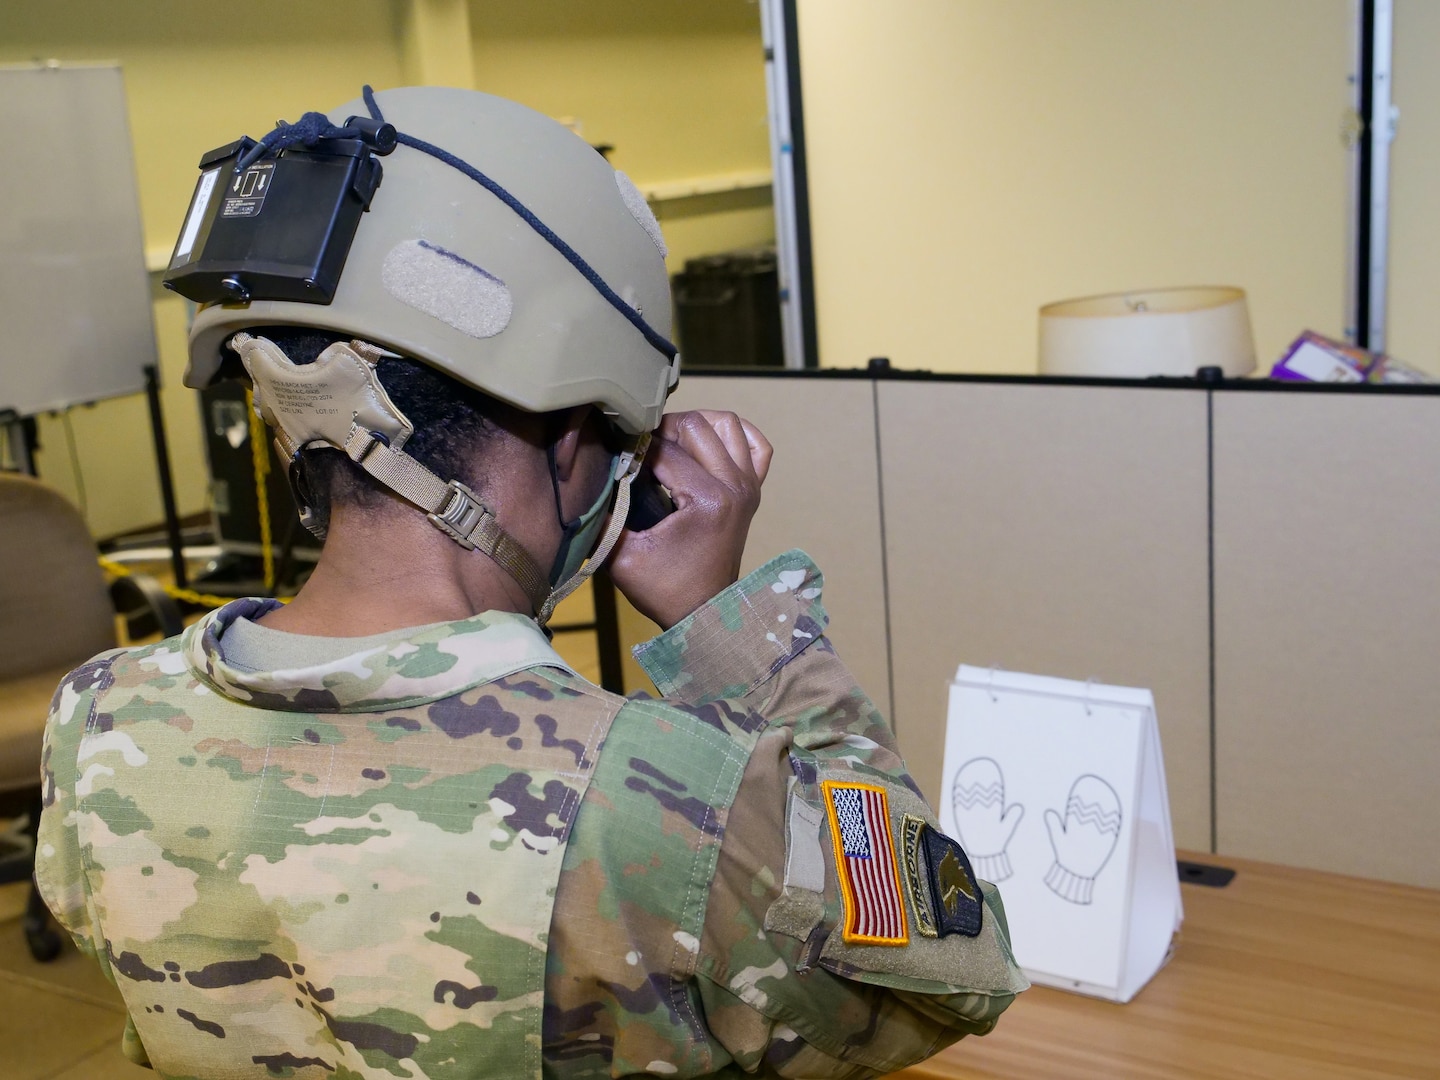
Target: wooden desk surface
1283 973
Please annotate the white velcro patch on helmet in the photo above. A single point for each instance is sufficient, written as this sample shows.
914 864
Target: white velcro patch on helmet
640 209
448 287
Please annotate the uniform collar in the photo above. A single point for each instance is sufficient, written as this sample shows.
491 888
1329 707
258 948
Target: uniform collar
437 662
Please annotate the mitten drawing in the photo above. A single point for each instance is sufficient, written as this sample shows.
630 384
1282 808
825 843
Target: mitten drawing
1084 840
983 820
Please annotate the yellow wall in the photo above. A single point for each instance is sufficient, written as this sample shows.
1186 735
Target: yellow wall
678 88
1414 272
973 159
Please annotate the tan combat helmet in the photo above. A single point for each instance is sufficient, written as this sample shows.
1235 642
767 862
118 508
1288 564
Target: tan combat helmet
514 319
501 249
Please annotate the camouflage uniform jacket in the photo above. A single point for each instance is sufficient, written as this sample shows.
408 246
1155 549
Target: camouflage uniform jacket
454 857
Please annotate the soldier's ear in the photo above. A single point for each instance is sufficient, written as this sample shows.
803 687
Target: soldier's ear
563 432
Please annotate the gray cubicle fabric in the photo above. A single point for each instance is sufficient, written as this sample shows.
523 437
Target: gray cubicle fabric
74 295
1060 530
822 495
1327 631
1063 529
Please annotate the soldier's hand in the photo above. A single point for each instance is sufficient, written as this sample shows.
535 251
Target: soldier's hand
713 464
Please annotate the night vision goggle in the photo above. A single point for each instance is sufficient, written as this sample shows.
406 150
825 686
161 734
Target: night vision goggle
312 196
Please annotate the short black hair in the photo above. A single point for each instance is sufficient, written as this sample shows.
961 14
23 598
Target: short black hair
452 423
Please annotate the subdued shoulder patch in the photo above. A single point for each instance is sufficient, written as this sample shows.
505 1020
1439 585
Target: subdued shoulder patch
800 907
448 287
866 864
943 890
917 876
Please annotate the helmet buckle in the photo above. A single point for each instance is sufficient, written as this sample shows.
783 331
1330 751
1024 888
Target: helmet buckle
460 515
629 461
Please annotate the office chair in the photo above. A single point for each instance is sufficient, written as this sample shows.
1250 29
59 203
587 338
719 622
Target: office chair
55 613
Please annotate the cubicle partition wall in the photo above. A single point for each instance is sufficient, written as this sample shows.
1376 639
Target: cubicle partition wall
1267 560
823 495
1327 631
1050 529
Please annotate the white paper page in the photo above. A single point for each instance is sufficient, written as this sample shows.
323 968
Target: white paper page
1156 911
1047 754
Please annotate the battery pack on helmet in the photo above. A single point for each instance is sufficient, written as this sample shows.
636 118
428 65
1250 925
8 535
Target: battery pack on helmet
278 228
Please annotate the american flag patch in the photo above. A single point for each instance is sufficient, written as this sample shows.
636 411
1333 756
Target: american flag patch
865 860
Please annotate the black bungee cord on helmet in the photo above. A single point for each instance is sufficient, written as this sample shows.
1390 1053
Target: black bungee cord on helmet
314 126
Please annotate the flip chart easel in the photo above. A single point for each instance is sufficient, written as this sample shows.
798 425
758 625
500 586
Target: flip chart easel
1056 790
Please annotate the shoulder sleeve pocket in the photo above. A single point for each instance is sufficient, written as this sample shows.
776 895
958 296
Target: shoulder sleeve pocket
905 909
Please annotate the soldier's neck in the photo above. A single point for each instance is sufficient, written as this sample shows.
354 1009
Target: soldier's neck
386 572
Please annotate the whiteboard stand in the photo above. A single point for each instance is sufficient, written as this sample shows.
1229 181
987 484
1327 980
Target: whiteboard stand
19 439
167 480
74 291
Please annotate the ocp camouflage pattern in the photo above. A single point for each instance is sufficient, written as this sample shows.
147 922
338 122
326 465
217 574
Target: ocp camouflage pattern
454 857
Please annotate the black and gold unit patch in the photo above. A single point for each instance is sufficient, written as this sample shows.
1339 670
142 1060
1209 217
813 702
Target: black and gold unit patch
942 887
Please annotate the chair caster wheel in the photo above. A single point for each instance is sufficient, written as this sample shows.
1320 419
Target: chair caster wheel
44 942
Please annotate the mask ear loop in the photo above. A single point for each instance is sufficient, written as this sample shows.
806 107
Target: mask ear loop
568 530
626 469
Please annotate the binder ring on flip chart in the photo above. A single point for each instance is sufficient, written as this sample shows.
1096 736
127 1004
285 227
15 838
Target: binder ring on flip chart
990 684
1089 685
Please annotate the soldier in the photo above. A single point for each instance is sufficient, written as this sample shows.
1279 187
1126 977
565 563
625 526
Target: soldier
386 830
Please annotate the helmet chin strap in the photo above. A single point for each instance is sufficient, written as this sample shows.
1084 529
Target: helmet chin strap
627 467
307 405
338 401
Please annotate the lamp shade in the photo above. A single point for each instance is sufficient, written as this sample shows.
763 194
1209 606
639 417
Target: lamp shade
1149 332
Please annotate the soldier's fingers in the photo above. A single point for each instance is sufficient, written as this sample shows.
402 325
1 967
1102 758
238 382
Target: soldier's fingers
678 471
697 436
730 428
761 452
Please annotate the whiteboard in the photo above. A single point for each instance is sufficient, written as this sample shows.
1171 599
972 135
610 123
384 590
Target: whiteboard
74 296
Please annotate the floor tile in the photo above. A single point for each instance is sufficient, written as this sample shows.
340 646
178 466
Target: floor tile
72 974
12 898
106 1064
52 1031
